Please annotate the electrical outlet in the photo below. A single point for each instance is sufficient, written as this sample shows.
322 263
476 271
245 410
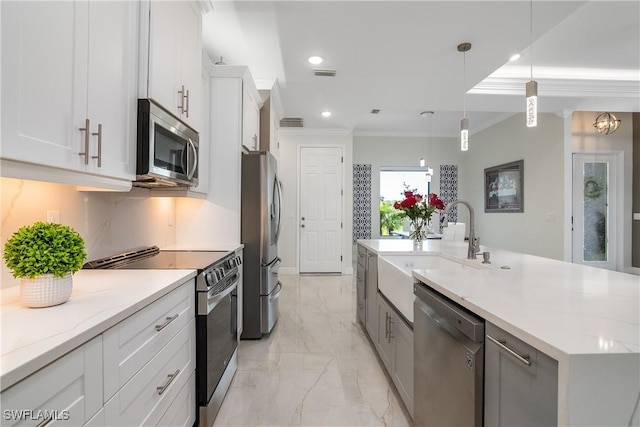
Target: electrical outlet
550 217
53 216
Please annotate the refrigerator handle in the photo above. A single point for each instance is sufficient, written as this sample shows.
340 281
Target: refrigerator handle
279 188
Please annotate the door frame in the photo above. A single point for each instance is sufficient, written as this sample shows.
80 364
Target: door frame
343 212
615 158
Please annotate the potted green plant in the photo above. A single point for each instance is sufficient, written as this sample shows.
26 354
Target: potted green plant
44 256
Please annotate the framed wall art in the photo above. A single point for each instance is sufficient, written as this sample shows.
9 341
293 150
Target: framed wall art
504 188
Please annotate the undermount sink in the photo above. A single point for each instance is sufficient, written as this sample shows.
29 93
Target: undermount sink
396 282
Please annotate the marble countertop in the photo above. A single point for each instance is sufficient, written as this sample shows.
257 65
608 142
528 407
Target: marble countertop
34 337
563 309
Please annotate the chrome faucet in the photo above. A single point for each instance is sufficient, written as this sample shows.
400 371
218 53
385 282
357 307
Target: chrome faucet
474 243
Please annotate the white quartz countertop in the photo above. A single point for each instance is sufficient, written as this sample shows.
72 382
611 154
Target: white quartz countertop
34 337
563 309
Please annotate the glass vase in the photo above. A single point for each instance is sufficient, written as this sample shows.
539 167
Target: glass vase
419 230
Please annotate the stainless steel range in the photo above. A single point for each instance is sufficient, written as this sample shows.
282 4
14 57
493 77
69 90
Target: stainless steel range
216 314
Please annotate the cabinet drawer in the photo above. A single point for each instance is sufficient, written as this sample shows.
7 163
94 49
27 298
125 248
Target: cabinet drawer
130 344
144 399
69 390
182 412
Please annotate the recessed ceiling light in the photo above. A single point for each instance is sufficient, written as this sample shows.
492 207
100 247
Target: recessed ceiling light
315 60
326 114
514 57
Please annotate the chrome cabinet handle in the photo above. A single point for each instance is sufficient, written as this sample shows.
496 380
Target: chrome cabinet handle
391 322
165 324
45 421
187 110
526 359
184 95
99 135
386 326
86 130
162 388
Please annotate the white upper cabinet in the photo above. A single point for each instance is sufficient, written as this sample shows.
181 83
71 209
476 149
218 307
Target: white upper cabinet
171 58
250 118
63 64
270 115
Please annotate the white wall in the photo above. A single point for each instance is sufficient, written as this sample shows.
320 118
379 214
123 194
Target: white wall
381 151
290 141
585 139
537 230
108 222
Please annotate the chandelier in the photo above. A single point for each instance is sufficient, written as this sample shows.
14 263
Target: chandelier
606 123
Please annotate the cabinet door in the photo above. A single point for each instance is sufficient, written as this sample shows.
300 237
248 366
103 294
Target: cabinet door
112 87
68 391
250 122
164 53
384 342
521 390
360 292
175 58
402 374
372 292
191 63
44 81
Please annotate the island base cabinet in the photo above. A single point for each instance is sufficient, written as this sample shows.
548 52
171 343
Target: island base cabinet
371 303
395 348
66 392
521 383
360 293
148 395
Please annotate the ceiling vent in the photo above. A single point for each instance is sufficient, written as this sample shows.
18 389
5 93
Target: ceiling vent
375 111
324 72
291 122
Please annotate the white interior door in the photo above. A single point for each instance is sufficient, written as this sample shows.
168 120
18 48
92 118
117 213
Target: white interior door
320 210
595 189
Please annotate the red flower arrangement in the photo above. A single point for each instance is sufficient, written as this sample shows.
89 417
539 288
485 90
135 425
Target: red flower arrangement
419 210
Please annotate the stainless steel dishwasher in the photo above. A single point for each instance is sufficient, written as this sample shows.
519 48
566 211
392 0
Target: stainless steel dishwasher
448 362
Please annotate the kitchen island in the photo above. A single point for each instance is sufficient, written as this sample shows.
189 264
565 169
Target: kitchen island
585 318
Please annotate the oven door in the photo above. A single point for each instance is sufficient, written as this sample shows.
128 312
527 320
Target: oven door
216 338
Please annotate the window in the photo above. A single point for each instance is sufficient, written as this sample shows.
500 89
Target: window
393 182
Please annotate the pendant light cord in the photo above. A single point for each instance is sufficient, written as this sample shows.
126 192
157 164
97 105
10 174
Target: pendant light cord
531 35
464 84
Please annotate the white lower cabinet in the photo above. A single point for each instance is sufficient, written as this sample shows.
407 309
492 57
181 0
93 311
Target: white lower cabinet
395 347
139 372
65 392
149 394
132 343
182 411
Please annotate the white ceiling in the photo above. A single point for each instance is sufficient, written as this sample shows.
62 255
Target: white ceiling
401 57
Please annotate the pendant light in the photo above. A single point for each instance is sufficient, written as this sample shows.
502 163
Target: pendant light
464 123
532 85
424 114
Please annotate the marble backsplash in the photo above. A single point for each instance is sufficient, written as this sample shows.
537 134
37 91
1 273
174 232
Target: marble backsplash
109 222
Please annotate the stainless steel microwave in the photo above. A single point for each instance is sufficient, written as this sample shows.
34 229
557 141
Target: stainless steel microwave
167 149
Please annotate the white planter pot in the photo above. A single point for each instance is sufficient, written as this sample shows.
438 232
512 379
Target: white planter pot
45 290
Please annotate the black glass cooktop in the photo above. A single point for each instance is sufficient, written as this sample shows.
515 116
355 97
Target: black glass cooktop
152 258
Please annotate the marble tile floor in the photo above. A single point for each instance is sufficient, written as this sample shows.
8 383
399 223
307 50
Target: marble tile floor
316 368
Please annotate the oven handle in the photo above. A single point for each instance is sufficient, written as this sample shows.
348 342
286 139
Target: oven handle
276 292
212 301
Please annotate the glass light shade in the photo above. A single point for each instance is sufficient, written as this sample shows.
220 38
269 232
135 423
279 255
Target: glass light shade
464 134
532 103
607 123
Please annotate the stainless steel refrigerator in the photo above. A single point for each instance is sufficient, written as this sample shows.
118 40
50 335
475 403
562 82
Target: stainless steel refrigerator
261 207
